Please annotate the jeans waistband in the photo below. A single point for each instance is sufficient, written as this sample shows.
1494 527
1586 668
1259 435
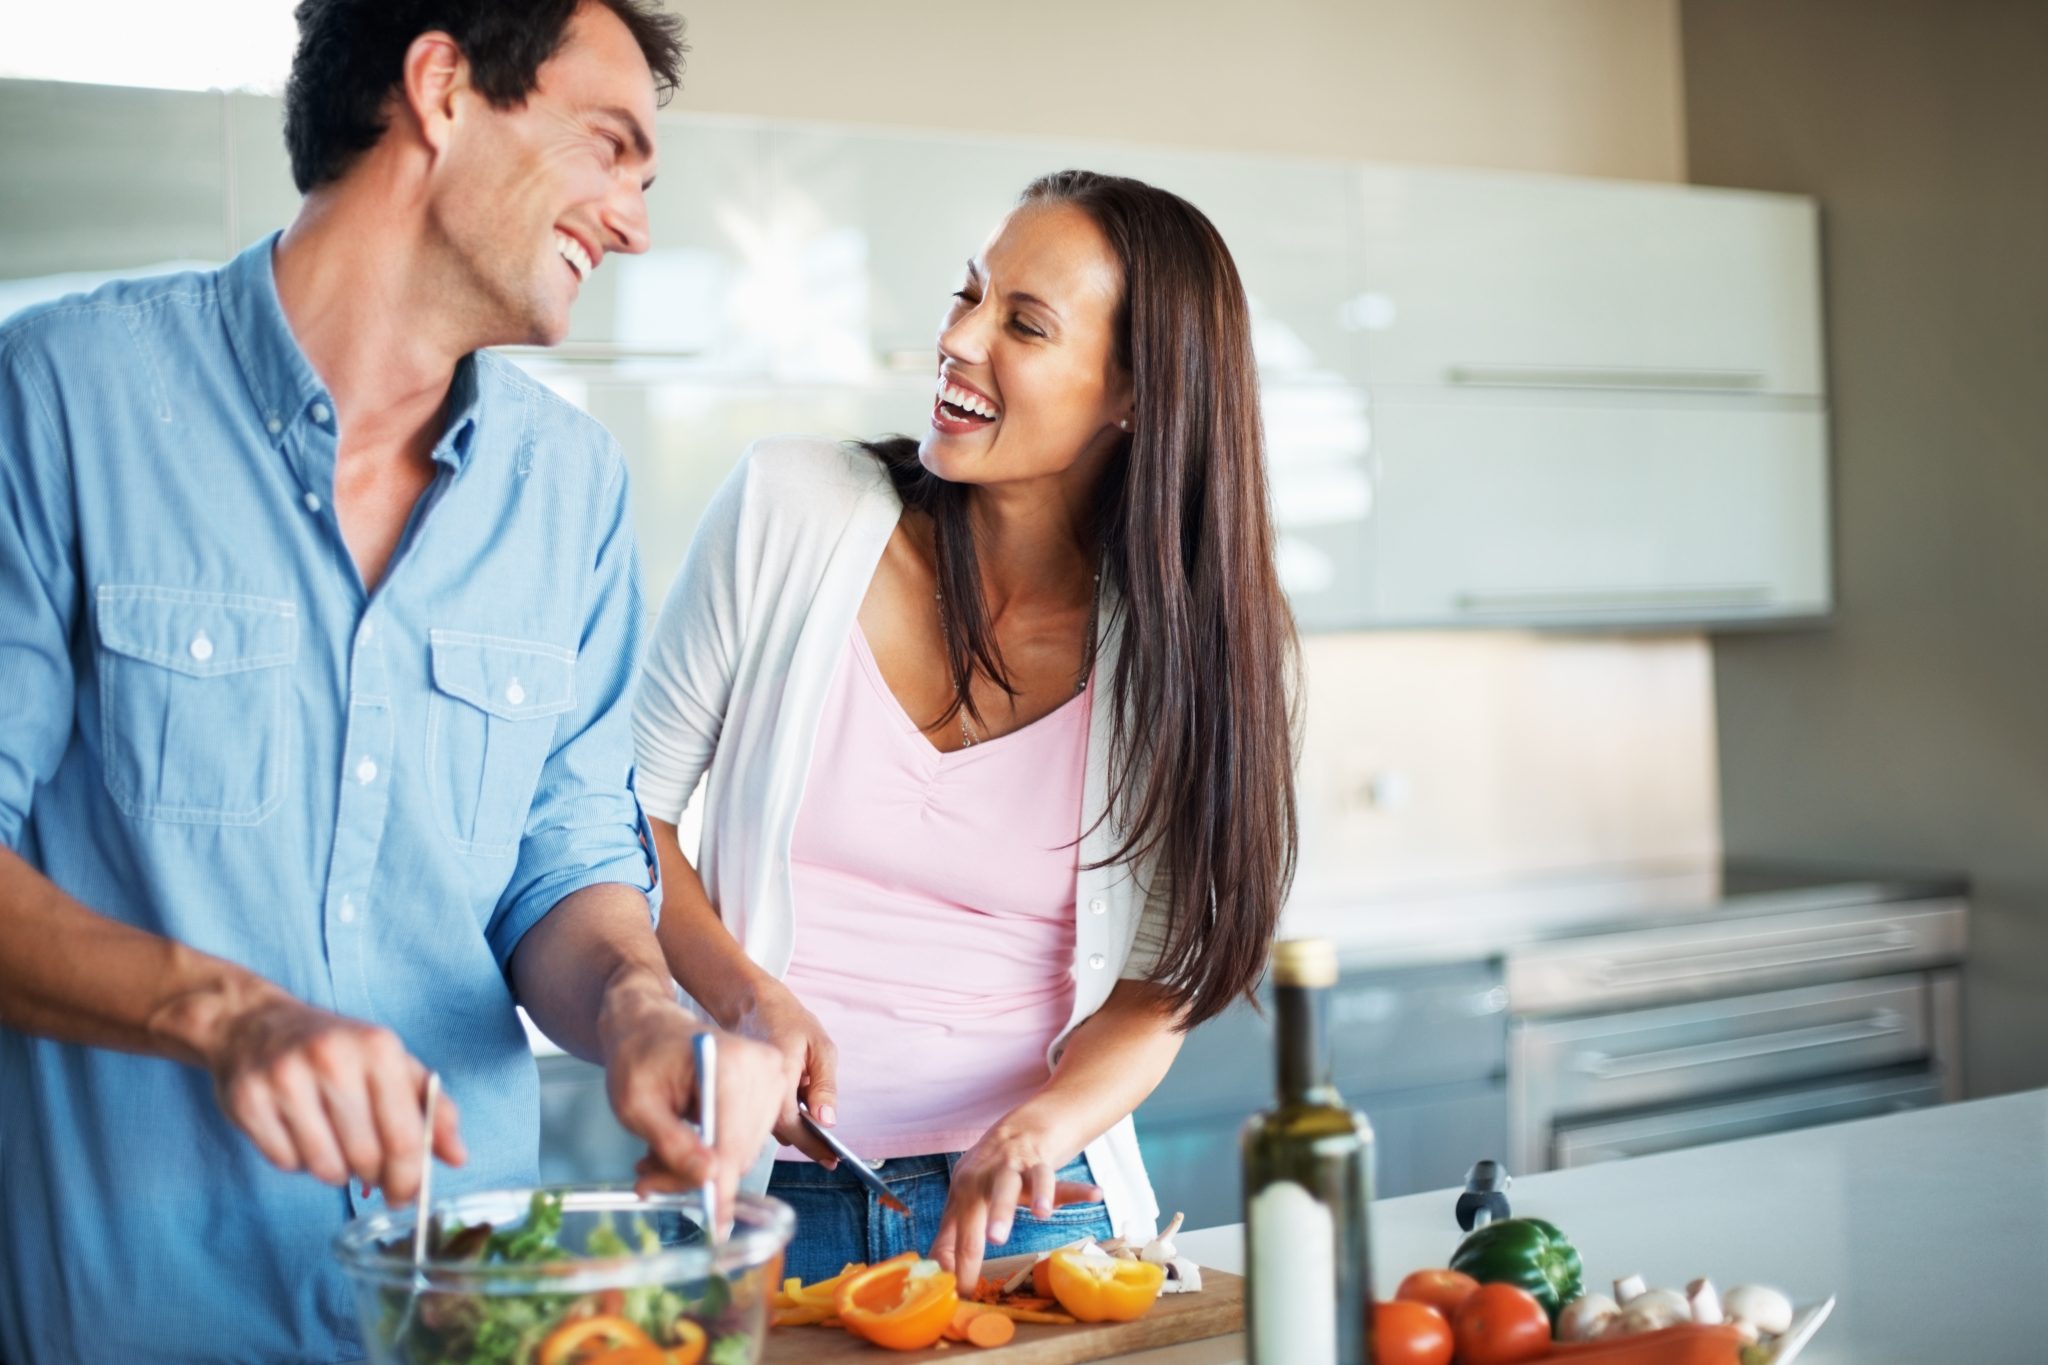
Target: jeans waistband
812 1175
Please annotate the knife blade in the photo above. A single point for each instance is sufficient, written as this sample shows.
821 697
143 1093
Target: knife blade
861 1170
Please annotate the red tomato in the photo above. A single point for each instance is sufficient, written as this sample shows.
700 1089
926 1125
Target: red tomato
1499 1324
1406 1333
1442 1290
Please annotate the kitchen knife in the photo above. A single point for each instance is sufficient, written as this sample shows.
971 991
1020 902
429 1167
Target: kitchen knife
861 1170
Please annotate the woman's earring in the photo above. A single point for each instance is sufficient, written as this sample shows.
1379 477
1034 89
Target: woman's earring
1125 423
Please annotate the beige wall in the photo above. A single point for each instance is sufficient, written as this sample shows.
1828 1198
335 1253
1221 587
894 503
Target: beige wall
1915 729
1587 87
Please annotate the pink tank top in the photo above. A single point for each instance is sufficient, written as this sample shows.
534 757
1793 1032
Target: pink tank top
934 898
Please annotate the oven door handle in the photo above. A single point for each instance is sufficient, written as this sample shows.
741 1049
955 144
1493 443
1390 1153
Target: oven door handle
1610 974
1608 1067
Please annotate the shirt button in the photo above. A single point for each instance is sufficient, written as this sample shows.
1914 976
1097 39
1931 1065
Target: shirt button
273 426
1098 906
515 694
201 648
1098 962
348 910
321 412
312 501
366 771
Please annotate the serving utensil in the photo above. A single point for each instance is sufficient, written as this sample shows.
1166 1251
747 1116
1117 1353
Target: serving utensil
422 1205
705 1048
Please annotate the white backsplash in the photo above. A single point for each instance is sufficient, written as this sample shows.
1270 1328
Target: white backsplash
1433 761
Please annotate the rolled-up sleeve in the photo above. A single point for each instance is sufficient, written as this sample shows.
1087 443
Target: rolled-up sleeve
585 826
38 588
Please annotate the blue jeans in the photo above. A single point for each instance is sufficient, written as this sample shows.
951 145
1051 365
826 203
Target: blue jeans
838 1221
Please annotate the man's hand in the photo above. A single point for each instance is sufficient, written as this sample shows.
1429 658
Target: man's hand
651 1076
328 1095
810 1064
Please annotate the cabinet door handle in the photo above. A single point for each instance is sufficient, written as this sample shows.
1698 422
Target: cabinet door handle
1667 972
1605 377
1606 1067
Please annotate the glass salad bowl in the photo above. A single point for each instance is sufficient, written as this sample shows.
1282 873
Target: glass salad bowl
567 1274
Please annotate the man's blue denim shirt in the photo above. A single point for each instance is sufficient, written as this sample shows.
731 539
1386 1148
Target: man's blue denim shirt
210 730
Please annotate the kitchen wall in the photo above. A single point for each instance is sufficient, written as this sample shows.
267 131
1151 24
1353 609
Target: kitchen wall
1589 87
1429 760
1914 729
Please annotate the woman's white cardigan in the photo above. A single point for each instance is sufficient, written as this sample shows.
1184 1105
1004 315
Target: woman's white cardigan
732 692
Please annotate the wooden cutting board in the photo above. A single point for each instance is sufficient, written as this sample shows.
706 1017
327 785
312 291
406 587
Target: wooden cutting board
1217 1309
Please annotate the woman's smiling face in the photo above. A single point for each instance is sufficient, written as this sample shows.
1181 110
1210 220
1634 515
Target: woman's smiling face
1029 382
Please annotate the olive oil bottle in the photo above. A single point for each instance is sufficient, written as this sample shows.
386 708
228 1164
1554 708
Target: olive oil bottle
1307 1181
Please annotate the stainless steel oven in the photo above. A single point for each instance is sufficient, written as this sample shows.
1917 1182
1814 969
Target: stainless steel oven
1638 1042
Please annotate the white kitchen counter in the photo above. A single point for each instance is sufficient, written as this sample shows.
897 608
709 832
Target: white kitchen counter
1930 1228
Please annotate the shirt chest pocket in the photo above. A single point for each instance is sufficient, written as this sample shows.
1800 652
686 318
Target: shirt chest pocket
195 725
490 726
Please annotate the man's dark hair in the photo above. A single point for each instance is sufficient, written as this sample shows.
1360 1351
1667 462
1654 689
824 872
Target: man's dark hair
351 57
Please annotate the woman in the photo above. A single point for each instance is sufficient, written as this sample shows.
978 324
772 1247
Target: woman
997 728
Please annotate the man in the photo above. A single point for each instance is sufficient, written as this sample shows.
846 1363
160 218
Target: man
315 626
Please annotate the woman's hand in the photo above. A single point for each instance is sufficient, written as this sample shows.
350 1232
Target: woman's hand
1013 1164
810 1063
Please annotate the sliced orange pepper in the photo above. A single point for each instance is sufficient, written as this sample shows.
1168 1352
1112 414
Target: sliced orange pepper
825 1293
1112 1290
890 1306
689 1347
687 1351
589 1336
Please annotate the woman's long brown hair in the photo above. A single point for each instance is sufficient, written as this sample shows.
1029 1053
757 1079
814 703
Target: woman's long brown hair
1201 763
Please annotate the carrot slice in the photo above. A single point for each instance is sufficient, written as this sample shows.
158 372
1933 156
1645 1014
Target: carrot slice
956 1330
990 1329
1028 1314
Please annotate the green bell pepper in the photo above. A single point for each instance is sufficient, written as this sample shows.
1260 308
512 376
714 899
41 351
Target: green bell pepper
1527 1253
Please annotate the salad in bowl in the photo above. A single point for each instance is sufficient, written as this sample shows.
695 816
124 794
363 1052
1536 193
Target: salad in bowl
569 1275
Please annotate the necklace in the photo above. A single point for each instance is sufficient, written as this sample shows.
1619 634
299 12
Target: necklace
968 739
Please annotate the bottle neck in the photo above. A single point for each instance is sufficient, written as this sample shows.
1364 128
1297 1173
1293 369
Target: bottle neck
1304 1072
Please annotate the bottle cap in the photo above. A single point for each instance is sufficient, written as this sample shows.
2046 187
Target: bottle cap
1305 962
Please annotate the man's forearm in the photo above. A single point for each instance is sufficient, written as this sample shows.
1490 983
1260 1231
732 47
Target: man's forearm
589 959
69 972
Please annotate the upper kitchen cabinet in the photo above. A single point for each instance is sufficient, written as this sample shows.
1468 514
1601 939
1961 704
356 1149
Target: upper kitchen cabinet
1290 227
261 196
1590 404
1505 282
710 294
1617 514
869 233
109 179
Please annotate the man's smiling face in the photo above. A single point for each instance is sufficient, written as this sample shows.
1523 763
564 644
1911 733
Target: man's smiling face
531 199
